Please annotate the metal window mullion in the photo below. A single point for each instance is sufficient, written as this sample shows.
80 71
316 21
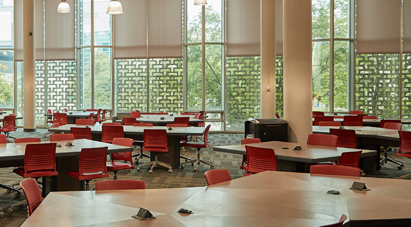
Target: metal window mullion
147 62
400 58
224 55
203 58
353 100
332 57
92 54
184 32
113 87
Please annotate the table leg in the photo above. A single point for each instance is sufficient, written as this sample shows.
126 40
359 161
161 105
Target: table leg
173 155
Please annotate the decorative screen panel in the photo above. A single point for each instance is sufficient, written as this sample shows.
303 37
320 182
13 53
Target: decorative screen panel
279 85
61 85
243 91
406 86
377 84
131 85
40 85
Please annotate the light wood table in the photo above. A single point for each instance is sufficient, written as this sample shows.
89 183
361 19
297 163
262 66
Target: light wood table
366 122
164 119
72 116
300 161
266 199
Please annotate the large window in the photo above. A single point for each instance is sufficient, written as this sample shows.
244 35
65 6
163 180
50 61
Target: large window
6 55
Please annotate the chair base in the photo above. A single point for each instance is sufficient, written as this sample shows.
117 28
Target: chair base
140 155
196 162
155 163
386 159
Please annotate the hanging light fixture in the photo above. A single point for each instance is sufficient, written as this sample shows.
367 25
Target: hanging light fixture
200 2
63 7
115 7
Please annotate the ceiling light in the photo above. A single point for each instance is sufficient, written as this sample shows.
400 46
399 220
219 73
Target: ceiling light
63 7
200 2
115 7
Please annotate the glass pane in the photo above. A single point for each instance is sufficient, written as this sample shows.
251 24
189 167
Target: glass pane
321 19
194 22
84 79
213 83
102 23
321 76
214 19
85 22
341 75
194 77
40 93
20 94
6 25
6 79
341 18
61 85
102 78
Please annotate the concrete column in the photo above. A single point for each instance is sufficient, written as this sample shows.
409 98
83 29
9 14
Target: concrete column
29 66
267 36
298 69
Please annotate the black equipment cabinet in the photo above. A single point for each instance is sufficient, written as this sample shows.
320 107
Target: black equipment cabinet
272 129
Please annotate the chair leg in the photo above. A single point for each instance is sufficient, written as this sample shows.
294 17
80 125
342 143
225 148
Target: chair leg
140 155
115 174
87 185
196 162
386 159
154 164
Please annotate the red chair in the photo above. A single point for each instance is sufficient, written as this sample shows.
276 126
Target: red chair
85 122
247 141
61 137
9 125
98 116
393 125
121 156
350 159
216 176
322 140
335 170
103 115
200 116
382 122
353 121
112 124
91 117
259 160
3 138
141 142
32 193
318 119
188 113
356 112
182 120
120 185
404 150
108 133
339 223
27 140
129 121
49 118
60 118
198 144
155 140
329 123
318 113
346 138
135 114
81 133
277 115
92 165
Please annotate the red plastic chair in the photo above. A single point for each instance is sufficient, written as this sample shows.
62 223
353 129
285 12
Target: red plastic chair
81 133
3 138
339 223
155 140
121 156
32 193
141 142
405 144
247 141
60 118
92 165
353 121
129 121
27 140
188 113
329 123
9 125
49 118
198 144
393 125
103 115
335 170
135 114
110 132
98 116
382 122
182 120
318 113
346 138
350 159
112 124
85 122
61 137
216 176
403 150
277 115
318 119
119 185
322 140
259 160
91 117
200 116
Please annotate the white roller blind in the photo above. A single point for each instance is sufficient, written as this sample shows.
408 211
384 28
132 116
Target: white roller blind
407 26
164 29
130 33
378 26
243 28
279 27
60 30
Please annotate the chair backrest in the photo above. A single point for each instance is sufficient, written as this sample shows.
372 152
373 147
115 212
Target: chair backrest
93 160
49 111
98 115
182 120
393 125
32 193
206 131
200 115
124 156
329 123
3 138
81 133
346 138
112 124
129 121
356 112
260 159
91 116
27 140
318 119
135 114
103 115
9 122
339 223
318 113
60 118
120 185
65 110
216 176
109 132
176 125
85 122
353 121
61 137
187 113
322 140
405 141
335 170
142 124
40 157
250 140
350 159
155 140
382 122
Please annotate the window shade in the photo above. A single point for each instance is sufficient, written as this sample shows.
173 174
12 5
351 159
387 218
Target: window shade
407 26
243 28
378 26
279 27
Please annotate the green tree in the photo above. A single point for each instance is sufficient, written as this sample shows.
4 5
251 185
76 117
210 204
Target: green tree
6 91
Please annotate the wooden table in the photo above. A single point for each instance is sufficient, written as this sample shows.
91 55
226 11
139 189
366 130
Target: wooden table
173 137
300 161
266 199
72 116
164 119
366 122
12 155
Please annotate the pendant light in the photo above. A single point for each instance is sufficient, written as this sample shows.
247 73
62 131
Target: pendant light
200 2
115 7
63 7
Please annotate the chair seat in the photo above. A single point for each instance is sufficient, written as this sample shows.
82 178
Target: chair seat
199 144
404 154
75 174
113 166
138 142
42 173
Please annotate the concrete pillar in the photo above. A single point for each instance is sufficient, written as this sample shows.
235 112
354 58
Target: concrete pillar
29 57
298 69
267 36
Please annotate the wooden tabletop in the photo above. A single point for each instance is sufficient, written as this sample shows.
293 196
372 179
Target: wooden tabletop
309 154
363 131
265 199
165 119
